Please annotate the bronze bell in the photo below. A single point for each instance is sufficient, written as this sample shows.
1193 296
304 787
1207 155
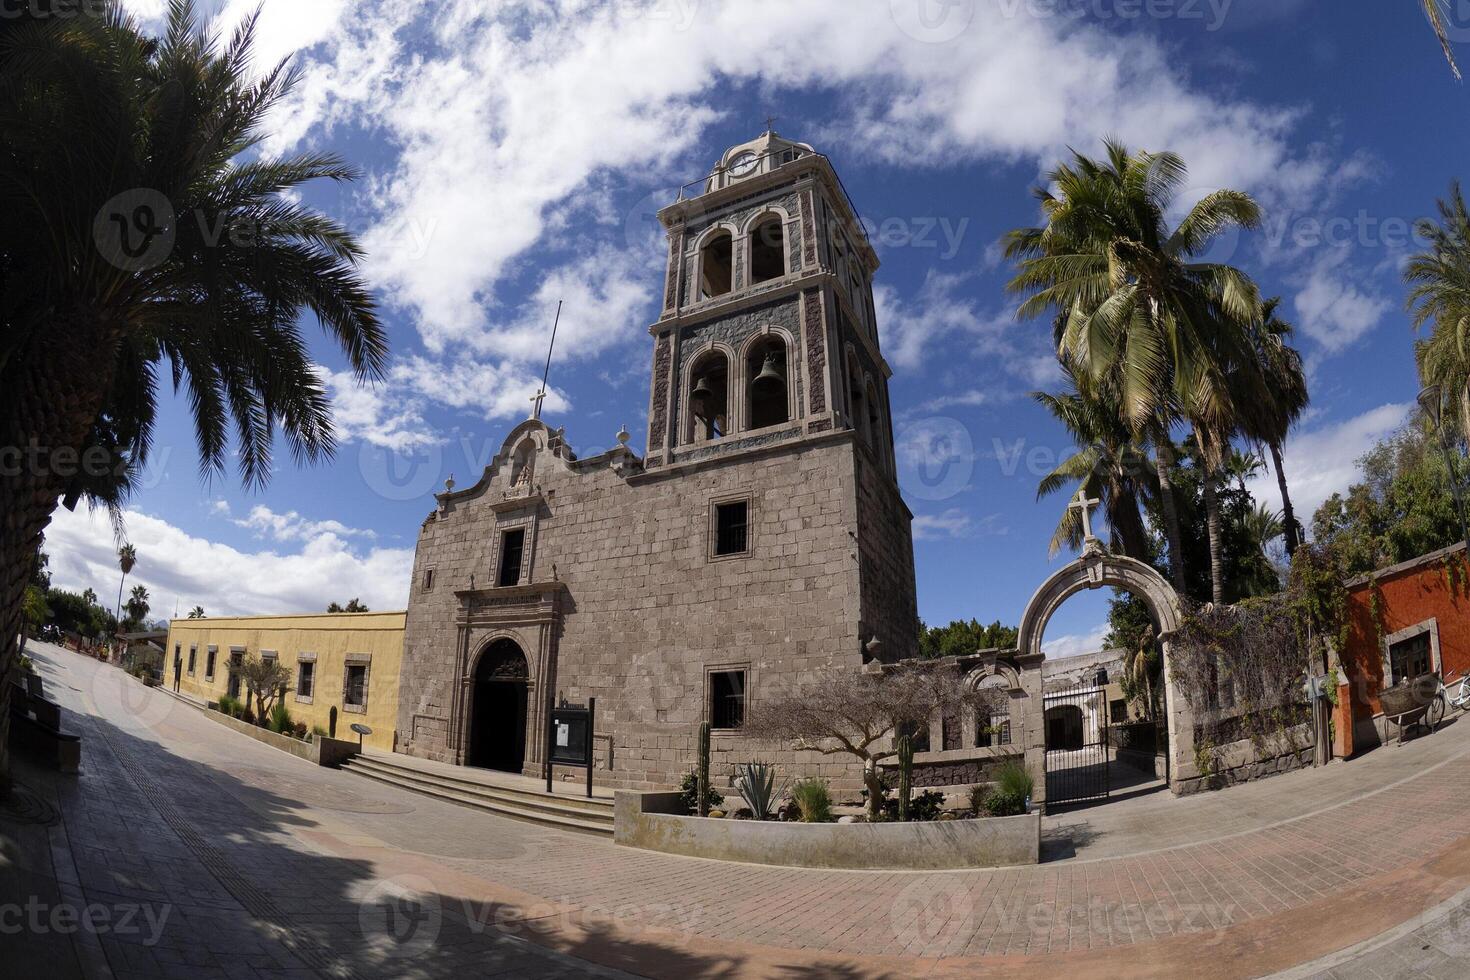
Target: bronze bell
771 372
701 395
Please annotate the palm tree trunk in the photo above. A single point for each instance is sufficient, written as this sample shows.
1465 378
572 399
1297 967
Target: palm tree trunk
1127 525
1288 515
1164 451
117 628
51 390
1212 523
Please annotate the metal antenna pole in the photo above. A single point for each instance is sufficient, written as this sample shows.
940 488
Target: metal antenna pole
546 375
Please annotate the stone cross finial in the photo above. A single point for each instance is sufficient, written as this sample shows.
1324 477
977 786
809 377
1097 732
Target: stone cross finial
770 124
536 401
1085 506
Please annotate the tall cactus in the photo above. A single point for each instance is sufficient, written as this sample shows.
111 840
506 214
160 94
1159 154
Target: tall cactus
905 775
703 786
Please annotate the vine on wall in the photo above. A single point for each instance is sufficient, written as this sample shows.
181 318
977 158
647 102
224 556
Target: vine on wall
1243 668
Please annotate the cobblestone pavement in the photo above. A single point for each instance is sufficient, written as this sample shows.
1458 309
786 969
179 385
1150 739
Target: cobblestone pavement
266 866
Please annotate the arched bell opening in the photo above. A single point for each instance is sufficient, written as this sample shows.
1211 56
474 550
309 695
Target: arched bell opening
709 397
768 395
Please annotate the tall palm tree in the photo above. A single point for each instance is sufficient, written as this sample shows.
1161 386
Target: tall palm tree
1137 308
138 604
1109 465
89 597
1439 280
1435 13
145 241
127 557
197 612
1278 404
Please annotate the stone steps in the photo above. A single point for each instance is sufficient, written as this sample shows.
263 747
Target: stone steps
578 814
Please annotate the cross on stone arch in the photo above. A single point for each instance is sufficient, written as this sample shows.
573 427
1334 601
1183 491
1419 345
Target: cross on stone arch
1085 506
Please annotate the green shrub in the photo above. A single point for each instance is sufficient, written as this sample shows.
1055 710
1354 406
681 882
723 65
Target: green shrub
813 799
317 731
1007 798
689 793
1014 779
226 705
280 719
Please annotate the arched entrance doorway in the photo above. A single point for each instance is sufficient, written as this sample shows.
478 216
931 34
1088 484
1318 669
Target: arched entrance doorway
498 708
1061 726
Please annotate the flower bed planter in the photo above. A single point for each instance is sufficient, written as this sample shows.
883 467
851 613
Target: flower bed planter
321 750
655 822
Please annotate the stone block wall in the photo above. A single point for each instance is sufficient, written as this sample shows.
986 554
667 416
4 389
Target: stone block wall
644 611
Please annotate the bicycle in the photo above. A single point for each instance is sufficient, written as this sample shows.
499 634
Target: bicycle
1459 694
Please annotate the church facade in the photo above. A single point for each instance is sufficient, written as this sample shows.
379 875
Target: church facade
761 536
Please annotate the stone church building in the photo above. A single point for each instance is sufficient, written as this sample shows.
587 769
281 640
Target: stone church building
760 538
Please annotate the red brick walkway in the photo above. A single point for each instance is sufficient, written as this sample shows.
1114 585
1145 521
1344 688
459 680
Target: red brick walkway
1258 879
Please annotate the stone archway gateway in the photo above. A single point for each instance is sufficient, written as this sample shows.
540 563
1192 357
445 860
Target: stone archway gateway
1098 569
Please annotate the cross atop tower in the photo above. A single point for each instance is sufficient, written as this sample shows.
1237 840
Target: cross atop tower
771 123
1085 506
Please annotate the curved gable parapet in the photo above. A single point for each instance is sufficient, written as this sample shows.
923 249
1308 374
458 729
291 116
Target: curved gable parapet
1095 571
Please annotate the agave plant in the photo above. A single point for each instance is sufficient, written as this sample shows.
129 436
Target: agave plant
756 782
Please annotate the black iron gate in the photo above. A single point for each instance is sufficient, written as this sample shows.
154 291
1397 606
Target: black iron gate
1077 752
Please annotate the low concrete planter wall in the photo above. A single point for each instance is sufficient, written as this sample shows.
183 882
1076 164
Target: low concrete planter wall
647 820
320 751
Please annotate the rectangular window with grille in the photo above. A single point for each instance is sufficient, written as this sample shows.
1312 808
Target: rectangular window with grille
355 693
193 651
305 677
727 698
209 656
512 550
1410 658
732 528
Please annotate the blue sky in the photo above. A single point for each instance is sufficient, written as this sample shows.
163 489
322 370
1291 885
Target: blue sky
515 153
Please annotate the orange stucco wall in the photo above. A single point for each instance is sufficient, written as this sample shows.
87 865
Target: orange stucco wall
1406 598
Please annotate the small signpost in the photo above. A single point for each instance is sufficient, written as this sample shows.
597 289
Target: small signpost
361 730
569 738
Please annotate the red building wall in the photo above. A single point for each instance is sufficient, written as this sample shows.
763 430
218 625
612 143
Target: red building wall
1408 594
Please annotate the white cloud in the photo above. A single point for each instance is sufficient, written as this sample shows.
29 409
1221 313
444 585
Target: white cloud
500 114
1324 461
1076 644
291 526
383 414
955 523
187 570
1335 311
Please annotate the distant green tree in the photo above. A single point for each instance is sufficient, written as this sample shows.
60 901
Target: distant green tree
197 612
961 638
354 606
1401 509
72 613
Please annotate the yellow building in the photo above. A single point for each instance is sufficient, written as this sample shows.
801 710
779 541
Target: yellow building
347 661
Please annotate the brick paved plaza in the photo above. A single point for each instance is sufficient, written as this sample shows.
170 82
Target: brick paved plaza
197 852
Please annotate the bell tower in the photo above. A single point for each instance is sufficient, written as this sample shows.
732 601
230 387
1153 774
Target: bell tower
767 332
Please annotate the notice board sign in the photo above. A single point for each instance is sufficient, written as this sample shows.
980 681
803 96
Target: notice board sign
569 738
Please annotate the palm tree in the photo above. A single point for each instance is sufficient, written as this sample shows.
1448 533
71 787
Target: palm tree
1109 465
127 557
1278 404
89 597
138 604
1138 310
1436 20
197 612
200 278
1439 278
